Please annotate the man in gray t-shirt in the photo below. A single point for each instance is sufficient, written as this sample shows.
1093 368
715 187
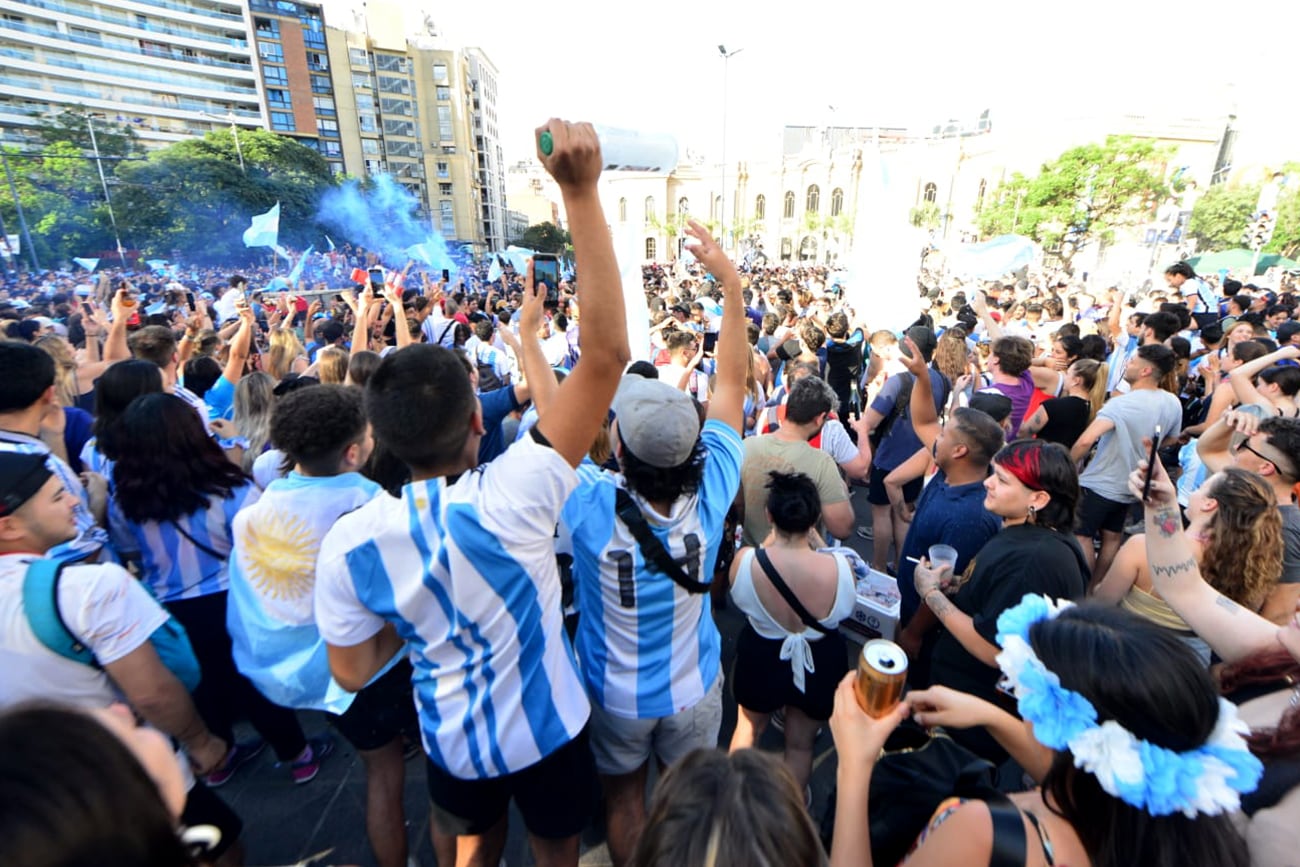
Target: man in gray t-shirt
1118 431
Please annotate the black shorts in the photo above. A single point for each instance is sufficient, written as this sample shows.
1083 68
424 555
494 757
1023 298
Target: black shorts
204 807
381 712
1098 513
763 682
555 796
878 496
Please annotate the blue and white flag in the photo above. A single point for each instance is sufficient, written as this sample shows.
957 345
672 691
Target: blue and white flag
157 265
296 274
88 264
271 612
330 241
516 257
264 231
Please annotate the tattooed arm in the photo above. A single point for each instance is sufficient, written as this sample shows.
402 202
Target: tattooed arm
1231 631
962 627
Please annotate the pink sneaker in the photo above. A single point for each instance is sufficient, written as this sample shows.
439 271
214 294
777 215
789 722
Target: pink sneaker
305 768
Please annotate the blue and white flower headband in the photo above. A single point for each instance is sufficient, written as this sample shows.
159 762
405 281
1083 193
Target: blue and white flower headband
1209 779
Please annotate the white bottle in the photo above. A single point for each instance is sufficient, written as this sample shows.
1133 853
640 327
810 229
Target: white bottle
627 150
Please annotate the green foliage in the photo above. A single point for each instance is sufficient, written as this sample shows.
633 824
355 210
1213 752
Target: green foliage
1286 234
927 216
1084 195
545 238
190 198
1221 215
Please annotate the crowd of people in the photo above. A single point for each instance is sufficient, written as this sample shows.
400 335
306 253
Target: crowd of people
469 520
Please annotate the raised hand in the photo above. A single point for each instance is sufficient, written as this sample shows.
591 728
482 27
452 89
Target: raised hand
709 253
574 159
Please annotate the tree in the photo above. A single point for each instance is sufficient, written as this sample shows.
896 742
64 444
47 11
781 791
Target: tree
1085 195
1286 232
545 238
1221 215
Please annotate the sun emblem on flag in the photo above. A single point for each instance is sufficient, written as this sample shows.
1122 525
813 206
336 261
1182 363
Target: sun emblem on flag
280 561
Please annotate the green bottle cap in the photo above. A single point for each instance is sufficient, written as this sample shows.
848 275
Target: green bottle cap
545 143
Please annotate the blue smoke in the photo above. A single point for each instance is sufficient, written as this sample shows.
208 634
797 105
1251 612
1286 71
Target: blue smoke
382 220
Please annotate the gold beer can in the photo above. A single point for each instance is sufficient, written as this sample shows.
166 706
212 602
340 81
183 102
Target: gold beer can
882 671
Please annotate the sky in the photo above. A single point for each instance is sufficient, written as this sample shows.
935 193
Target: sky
1039 66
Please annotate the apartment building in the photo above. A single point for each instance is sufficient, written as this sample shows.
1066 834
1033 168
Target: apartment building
170 69
487 141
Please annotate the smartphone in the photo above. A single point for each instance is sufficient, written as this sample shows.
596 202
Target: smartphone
377 279
189 299
446 275
1151 464
546 269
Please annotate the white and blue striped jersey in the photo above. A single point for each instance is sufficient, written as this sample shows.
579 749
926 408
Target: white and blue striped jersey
91 537
176 568
467 574
648 648
119 534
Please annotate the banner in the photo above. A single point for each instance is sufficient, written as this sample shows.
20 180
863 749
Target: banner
88 264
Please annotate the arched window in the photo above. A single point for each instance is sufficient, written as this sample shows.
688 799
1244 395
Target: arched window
683 205
650 249
979 196
813 203
760 208
649 208
931 193
622 210
808 249
837 201
716 213
787 249
788 212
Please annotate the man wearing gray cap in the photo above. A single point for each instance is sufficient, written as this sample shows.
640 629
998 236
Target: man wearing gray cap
644 545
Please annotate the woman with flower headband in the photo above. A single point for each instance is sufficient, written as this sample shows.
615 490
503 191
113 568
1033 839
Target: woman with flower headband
1138 759
1033 489
1261 672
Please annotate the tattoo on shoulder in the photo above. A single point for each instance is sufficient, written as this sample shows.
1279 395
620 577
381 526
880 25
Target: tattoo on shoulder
1227 604
1168 522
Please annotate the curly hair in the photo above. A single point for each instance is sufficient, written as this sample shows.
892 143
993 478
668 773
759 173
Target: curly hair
1267 668
315 426
1014 354
950 353
1243 557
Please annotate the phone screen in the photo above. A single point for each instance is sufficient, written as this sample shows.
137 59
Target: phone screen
189 299
377 278
1151 463
446 275
546 271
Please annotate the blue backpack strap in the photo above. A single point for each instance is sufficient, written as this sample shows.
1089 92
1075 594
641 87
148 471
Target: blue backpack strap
41 605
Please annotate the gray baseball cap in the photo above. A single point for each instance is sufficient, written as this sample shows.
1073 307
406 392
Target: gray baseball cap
657 423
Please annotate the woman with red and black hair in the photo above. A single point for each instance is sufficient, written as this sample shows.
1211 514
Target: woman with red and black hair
1033 488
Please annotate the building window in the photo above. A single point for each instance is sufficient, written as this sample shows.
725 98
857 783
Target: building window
275 76
650 248
447 211
390 63
788 212
318 61
370 146
787 249
277 98
683 205
282 121
324 105
396 106
362 81
440 73
444 123
321 84
393 84
267 28
808 249
837 202
331 149
931 193
367 122
399 127
359 57
649 208
328 128
271 52
622 210
760 208
374 167
443 93
443 170
444 189
813 202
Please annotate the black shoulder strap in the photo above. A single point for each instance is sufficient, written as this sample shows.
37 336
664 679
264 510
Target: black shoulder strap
787 594
1010 846
652 550
197 544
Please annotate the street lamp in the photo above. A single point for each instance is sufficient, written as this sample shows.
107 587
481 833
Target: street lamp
234 131
722 213
99 164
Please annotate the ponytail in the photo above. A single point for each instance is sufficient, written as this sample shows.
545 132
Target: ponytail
1093 375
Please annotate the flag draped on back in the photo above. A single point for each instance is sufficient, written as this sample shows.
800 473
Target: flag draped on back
264 231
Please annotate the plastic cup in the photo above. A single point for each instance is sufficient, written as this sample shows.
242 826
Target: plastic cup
943 555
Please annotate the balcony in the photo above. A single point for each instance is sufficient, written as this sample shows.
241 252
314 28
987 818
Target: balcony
176 103
91 14
53 34
135 73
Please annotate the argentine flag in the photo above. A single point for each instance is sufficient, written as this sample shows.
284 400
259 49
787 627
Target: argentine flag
264 231
271 615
